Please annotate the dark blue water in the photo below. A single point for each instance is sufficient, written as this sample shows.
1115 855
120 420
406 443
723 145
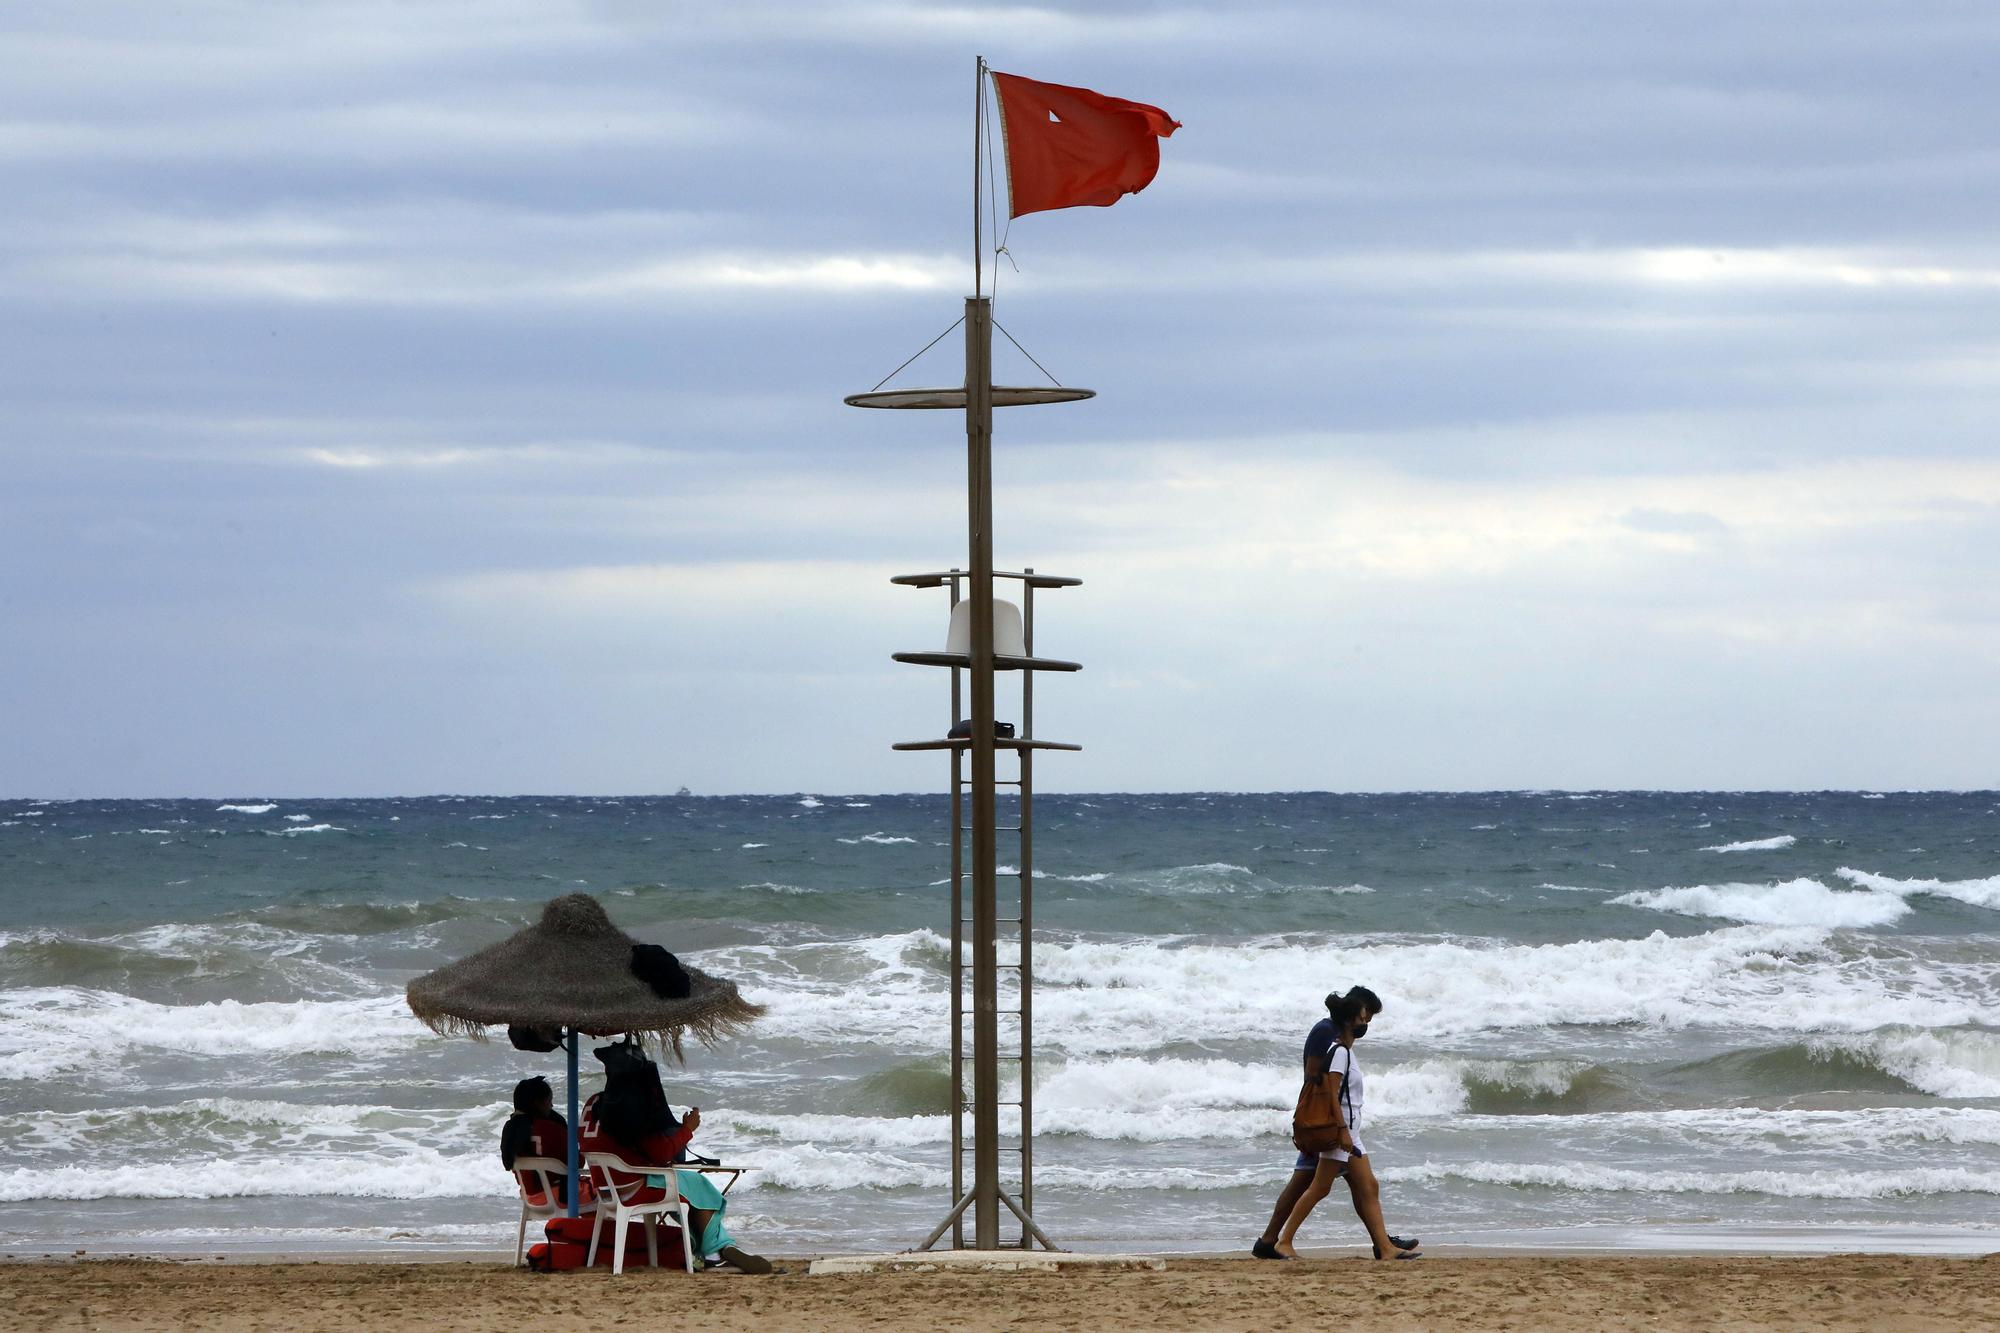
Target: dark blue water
1607 1014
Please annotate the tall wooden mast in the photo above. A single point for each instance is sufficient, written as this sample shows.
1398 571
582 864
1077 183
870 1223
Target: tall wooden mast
976 738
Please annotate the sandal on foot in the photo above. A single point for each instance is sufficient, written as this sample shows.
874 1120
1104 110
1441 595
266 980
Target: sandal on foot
1402 1244
755 1264
1263 1249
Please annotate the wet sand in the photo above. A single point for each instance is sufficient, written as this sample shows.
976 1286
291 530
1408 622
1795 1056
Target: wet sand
1548 1292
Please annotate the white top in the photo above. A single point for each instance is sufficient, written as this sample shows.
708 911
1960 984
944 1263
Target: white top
1340 1060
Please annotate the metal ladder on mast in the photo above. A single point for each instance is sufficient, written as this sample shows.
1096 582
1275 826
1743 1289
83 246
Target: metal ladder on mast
1023 745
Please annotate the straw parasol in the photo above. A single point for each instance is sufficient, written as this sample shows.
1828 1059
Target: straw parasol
571 973
573 969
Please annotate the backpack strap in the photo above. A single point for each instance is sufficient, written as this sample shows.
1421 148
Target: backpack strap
1346 1083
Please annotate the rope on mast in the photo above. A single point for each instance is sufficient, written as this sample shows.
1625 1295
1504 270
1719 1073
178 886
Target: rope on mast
1017 347
993 213
933 343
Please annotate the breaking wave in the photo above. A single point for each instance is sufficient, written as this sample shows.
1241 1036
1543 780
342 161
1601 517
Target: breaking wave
1963 1062
1977 892
86 1034
170 960
1777 844
1098 997
1797 902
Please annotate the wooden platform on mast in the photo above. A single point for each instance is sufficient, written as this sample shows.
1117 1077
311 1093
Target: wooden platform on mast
1001 662
1004 395
985 1261
999 743
941 577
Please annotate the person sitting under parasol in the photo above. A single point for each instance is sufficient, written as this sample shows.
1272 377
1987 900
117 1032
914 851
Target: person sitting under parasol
632 1119
535 1130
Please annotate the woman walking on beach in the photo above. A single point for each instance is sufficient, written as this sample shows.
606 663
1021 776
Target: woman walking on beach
1347 1020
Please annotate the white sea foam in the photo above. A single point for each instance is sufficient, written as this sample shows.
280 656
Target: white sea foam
811 802
884 839
804 1166
1101 997
417 1174
1977 892
1835 1184
306 819
756 1131
307 828
1796 902
1706 1130
1776 844
263 809
752 846
1210 877
241 1126
1440 1087
368 1151
807 1167
84 1034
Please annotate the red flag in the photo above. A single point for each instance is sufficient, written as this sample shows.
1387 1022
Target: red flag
1070 146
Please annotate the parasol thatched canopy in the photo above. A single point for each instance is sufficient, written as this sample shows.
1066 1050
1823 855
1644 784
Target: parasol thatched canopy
573 969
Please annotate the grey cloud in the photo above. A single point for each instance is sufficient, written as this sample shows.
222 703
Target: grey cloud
319 310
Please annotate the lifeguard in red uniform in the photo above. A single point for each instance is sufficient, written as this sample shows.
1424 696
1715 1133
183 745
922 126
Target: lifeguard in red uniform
535 1130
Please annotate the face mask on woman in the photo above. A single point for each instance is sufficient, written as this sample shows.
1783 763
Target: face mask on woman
1360 1030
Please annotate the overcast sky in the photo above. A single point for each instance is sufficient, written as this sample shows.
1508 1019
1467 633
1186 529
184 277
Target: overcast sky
406 398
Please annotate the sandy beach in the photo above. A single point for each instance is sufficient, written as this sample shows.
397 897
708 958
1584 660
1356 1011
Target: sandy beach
1827 1292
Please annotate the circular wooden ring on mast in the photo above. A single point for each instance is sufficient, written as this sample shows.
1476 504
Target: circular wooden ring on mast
1004 395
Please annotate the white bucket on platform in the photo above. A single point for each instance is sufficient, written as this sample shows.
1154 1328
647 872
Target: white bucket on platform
1008 640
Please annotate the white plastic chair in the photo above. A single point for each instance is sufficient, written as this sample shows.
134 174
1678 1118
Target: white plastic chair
605 1169
538 1178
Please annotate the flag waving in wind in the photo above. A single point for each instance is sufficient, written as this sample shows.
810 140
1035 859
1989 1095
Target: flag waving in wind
1070 146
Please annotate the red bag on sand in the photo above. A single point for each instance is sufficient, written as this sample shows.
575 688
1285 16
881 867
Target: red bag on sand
568 1245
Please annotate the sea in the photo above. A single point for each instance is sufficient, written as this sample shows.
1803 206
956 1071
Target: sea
1701 1021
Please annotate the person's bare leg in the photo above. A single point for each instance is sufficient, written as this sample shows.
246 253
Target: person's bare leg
1287 1200
1320 1186
1367 1195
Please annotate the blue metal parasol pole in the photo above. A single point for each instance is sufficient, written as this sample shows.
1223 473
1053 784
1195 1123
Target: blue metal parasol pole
575 1181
